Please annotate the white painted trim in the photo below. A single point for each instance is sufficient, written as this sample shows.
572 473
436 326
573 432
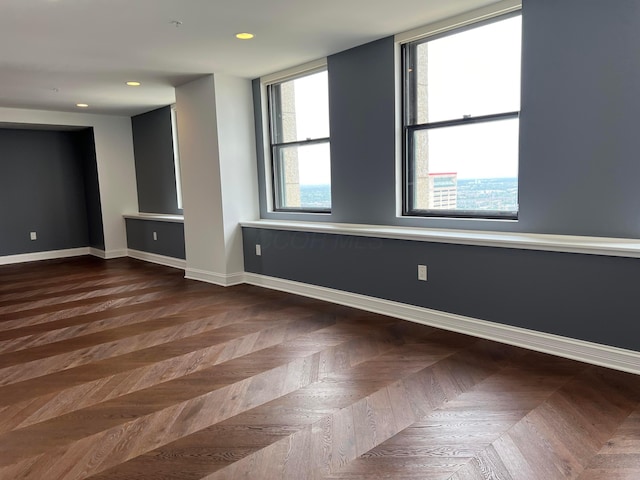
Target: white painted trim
120 253
459 21
614 247
399 128
266 148
304 69
176 155
49 255
588 352
154 217
224 280
159 259
96 252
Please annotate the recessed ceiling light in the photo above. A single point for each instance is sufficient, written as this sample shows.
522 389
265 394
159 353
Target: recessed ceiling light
244 36
134 84
82 105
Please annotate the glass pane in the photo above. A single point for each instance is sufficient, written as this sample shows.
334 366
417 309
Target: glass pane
470 167
302 108
304 177
474 72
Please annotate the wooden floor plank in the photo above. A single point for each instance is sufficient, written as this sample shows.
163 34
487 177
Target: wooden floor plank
446 439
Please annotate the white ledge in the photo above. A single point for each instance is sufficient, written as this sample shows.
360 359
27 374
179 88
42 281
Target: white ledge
616 247
155 217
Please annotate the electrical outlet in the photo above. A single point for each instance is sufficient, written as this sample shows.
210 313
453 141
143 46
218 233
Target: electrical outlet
422 273
155 235
258 250
33 236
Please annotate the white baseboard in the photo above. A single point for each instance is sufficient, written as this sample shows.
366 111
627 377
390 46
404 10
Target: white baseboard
49 255
159 259
224 280
588 352
120 253
96 252
106 255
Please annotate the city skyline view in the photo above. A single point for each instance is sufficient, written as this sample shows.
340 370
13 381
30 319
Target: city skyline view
494 194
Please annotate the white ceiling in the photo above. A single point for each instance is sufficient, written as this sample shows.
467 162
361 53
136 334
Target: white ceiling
56 53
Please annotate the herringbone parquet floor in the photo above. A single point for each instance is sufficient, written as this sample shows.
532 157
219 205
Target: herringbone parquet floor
121 370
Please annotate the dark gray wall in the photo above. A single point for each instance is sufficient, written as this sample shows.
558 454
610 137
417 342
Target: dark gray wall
41 189
588 297
362 106
170 241
155 170
578 145
578 176
86 150
579 139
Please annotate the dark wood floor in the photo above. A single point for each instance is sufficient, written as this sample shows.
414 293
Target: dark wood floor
124 370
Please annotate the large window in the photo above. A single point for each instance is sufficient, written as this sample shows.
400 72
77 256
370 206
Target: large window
299 128
461 107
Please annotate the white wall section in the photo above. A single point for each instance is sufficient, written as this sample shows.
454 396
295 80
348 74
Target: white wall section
236 139
200 172
217 146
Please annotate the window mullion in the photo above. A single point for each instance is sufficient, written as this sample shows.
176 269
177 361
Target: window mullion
311 141
464 121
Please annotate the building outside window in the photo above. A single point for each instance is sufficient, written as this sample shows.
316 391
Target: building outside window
461 93
299 140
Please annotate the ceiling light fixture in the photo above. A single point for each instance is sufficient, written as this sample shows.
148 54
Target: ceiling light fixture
134 84
82 105
244 36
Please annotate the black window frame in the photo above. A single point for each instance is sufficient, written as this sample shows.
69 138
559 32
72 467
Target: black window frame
409 126
276 145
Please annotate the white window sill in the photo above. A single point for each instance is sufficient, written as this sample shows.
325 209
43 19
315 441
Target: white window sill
616 247
155 217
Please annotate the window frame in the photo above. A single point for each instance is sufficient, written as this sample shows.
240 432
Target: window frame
176 156
273 147
408 43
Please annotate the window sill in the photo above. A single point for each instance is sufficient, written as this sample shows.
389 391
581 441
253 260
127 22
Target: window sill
616 247
155 217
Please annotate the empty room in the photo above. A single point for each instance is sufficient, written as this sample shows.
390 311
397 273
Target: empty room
287 239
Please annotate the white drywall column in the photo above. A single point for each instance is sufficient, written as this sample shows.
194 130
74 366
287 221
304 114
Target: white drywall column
114 158
238 171
116 179
219 185
200 174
